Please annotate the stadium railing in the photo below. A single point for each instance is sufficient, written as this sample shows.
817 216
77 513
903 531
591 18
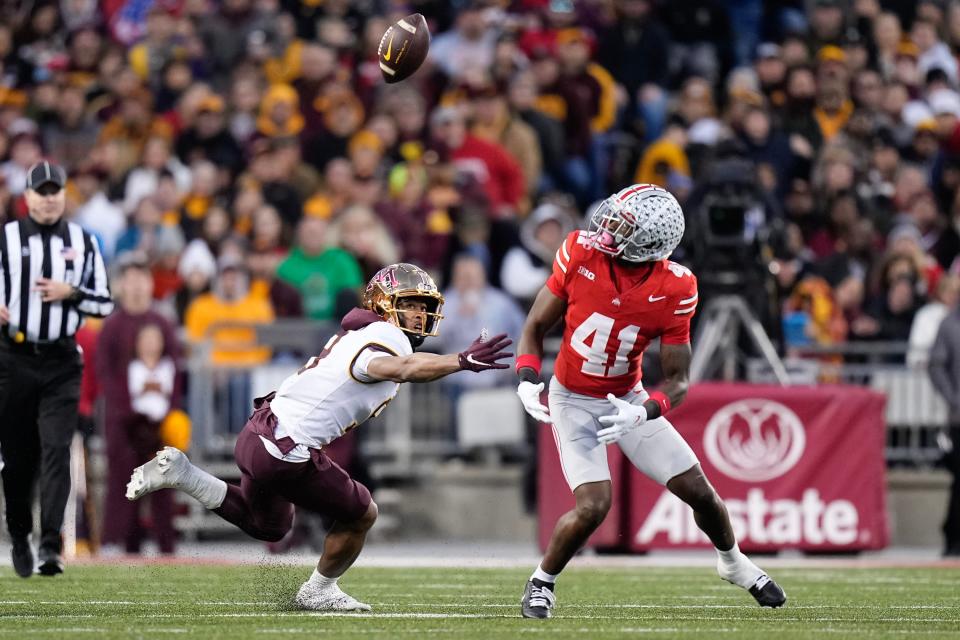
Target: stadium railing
418 432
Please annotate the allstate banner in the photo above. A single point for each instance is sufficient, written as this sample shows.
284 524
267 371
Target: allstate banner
798 467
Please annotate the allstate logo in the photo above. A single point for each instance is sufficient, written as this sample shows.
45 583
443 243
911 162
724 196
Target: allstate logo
754 440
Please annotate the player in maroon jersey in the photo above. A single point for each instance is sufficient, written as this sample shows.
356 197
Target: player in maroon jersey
616 292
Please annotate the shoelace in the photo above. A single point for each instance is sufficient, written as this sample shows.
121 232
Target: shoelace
761 581
542 597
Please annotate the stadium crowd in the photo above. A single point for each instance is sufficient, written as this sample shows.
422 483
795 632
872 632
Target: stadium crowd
247 157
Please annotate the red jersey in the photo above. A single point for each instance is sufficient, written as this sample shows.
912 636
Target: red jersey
613 313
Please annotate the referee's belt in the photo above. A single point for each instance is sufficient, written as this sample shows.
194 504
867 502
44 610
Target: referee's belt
59 345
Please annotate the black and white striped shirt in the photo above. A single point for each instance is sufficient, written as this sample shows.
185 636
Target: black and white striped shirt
62 252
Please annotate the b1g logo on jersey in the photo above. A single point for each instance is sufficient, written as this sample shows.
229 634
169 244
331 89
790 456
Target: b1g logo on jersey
754 440
586 273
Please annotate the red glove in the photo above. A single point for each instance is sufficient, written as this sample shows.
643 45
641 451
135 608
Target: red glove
483 354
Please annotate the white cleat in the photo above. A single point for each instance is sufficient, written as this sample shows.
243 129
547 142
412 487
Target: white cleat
330 598
165 471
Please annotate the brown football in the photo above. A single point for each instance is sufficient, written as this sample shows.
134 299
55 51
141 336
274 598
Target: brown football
403 48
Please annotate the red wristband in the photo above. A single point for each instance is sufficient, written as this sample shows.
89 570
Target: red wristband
528 360
662 401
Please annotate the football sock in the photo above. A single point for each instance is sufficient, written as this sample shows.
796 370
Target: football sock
209 490
321 580
731 555
739 569
543 576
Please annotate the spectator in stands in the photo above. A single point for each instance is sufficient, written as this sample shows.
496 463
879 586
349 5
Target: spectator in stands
887 35
934 54
494 121
328 278
470 306
95 212
152 384
284 299
522 98
363 235
417 209
267 233
230 302
25 151
469 46
141 234
204 185
665 162
945 375
890 312
71 135
928 320
209 139
527 265
197 269
126 439
637 34
157 160
488 163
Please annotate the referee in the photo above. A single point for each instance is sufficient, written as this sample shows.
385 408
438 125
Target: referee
51 275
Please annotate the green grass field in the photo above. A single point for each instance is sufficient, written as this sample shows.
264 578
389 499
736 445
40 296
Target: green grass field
254 602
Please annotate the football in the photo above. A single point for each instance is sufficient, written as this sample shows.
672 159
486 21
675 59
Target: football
403 48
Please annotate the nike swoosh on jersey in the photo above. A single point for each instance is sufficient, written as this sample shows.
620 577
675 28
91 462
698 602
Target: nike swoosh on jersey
655 299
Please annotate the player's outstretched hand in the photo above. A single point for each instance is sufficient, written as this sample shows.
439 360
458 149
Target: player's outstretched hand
627 418
483 354
530 397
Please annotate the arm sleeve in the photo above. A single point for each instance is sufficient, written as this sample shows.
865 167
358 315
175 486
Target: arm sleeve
562 264
678 317
95 299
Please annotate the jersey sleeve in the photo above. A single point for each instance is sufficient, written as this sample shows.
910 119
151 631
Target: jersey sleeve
380 339
562 266
684 305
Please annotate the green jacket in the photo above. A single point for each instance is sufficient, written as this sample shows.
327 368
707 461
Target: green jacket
320 278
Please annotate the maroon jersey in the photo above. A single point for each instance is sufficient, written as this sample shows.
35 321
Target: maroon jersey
613 312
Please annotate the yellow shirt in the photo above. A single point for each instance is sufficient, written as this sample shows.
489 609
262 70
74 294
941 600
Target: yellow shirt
231 345
659 156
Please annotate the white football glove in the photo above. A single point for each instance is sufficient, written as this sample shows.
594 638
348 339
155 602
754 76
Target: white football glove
627 418
530 397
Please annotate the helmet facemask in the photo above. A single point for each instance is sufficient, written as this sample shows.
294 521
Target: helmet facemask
611 228
430 326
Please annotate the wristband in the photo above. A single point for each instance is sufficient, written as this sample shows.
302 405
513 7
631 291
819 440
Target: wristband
662 401
528 360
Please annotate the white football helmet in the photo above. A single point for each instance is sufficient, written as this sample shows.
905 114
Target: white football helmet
642 223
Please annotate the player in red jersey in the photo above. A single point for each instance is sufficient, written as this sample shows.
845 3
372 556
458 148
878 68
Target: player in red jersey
617 291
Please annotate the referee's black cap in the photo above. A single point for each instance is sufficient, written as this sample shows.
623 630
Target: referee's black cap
44 172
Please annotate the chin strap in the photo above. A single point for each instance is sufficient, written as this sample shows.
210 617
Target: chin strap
415 340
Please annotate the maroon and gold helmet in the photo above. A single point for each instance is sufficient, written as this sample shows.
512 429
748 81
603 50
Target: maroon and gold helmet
404 280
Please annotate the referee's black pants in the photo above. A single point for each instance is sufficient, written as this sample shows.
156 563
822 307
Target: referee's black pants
39 392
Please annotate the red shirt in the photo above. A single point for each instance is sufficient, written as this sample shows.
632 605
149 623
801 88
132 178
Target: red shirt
613 313
494 169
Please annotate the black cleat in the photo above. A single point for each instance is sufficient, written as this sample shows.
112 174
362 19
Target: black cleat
50 562
22 554
538 599
768 593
